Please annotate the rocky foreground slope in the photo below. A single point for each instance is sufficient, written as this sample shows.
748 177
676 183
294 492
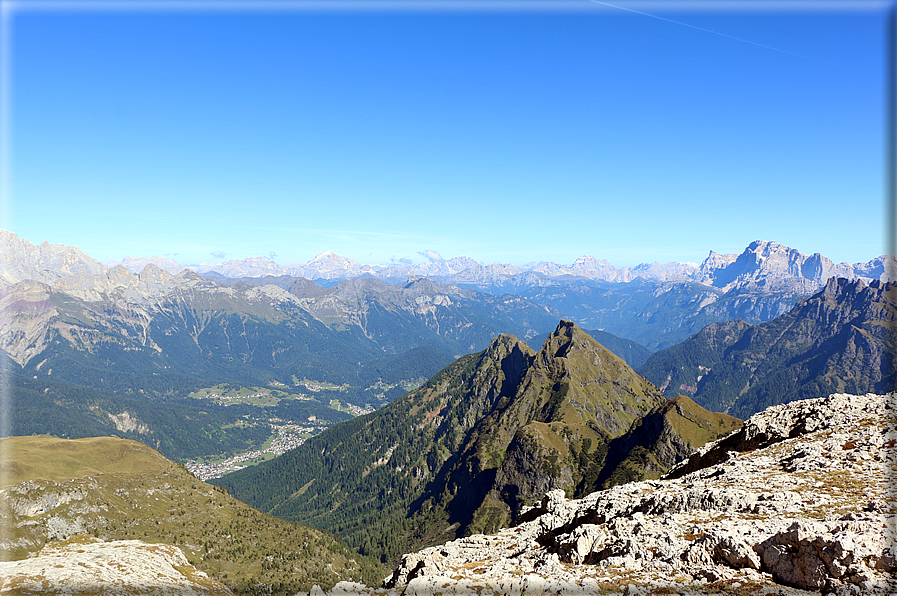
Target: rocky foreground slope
801 500
86 565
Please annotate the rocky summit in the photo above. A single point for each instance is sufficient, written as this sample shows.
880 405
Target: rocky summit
799 501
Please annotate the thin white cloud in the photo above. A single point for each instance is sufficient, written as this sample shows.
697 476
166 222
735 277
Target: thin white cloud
620 6
432 256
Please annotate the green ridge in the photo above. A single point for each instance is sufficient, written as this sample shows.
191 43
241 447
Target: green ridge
841 340
465 452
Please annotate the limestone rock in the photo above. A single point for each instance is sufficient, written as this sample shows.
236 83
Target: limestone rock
85 565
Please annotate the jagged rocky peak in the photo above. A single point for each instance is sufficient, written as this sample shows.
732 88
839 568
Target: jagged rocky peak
838 286
596 380
20 260
569 339
775 267
563 337
574 398
843 300
153 274
504 345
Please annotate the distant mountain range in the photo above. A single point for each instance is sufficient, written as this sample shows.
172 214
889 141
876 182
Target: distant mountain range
66 312
762 264
656 305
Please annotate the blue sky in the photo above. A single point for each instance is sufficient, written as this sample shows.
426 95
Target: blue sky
202 133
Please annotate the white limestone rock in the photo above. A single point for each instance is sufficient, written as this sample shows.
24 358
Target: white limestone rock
88 565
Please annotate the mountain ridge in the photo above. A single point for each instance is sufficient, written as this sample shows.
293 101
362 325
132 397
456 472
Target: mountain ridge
841 339
485 437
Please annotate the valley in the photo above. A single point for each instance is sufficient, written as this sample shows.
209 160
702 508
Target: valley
286 437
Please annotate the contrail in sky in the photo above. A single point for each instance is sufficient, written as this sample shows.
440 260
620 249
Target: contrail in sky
753 43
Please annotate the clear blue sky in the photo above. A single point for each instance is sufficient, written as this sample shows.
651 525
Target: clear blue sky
506 135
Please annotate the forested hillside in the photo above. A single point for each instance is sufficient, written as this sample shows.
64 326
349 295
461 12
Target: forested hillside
842 339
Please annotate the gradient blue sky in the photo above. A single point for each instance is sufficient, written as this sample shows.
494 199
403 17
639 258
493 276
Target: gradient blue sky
201 132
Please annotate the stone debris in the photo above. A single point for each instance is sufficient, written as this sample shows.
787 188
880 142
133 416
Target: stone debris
800 501
86 565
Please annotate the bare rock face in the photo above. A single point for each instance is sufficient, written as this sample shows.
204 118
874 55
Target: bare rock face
821 555
800 501
85 565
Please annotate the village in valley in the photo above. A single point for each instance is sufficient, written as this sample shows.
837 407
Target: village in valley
286 434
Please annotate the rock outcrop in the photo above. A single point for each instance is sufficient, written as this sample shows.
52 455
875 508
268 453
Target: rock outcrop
800 501
85 565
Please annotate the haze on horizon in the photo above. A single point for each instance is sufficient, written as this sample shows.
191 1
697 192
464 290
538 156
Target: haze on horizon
506 135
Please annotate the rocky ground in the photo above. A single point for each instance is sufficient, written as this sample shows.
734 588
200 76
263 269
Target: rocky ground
800 501
123 567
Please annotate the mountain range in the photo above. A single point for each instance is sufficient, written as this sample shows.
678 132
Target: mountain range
763 264
473 429
656 305
71 326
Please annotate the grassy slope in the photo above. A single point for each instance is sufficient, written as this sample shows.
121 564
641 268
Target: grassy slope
132 492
